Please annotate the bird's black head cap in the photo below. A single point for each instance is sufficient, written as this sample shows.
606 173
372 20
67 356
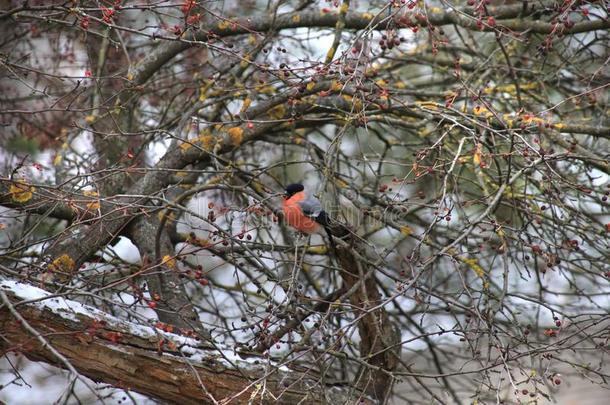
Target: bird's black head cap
292 189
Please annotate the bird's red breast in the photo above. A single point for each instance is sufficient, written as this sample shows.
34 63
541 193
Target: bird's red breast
293 214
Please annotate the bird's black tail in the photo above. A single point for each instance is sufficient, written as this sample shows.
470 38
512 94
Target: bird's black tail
333 227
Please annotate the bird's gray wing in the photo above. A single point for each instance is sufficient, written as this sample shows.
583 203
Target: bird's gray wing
311 206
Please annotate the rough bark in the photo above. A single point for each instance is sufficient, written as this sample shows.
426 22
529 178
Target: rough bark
153 362
379 338
174 306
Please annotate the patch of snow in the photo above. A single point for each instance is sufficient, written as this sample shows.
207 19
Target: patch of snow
69 309
228 357
124 249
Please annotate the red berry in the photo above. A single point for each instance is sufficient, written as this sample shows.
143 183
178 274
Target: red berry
84 23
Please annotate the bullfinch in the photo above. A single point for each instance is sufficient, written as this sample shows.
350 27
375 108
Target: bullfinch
304 212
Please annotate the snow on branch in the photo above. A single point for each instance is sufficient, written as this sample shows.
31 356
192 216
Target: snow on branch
146 358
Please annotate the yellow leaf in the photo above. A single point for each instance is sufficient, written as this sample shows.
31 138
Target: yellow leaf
336 85
21 192
311 85
63 264
169 261
477 155
277 112
367 16
529 118
296 18
510 88
237 135
431 105
89 119
93 205
317 250
340 183
207 141
57 160
474 265
266 89
406 230
330 52
223 25
478 110
246 104
185 146
355 102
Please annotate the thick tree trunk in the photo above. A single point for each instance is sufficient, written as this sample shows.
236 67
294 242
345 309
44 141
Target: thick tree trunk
150 361
379 338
